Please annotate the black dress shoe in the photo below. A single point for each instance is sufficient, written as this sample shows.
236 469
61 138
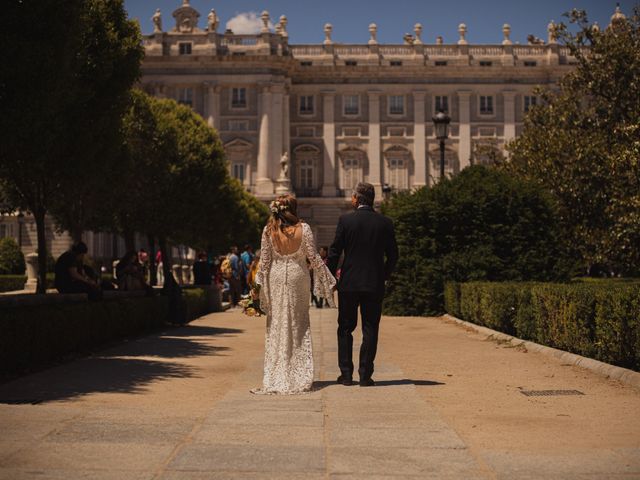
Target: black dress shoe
367 382
344 380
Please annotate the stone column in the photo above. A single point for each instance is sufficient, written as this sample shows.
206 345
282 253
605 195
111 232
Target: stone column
419 153
464 143
31 261
264 185
375 177
329 137
276 124
212 105
286 127
509 115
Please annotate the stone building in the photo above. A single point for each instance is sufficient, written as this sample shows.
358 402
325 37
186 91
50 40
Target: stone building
344 113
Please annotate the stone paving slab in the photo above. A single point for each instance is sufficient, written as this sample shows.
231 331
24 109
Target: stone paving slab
273 458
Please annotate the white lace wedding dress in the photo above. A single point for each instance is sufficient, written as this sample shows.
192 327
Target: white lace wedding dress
285 296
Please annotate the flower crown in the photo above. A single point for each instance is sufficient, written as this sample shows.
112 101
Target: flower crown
277 206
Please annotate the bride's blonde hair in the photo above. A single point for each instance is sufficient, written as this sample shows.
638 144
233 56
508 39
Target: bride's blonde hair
284 213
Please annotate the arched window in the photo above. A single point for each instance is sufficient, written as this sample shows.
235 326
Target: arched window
239 155
352 168
397 167
307 159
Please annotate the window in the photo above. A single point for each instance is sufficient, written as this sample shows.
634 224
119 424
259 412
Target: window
305 173
485 63
184 48
395 131
486 132
306 64
442 104
351 63
529 101
3 231
530 63
395 63
486 105
441 63
352 172
398 173
239 97
351 131
396 104
238 171
238 125
351 105
185 96
306 104
306 132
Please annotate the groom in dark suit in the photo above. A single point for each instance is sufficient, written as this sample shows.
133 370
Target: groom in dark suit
366 238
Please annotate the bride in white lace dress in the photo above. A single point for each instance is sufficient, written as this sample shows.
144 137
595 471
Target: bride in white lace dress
287 252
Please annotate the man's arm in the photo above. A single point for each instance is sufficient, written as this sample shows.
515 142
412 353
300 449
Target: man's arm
336 249
391 252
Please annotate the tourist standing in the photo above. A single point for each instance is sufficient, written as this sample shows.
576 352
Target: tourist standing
202 270
235 277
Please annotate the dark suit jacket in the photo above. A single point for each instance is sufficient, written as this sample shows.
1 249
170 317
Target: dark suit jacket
365 237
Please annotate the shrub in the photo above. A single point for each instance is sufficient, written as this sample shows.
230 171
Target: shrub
9 283
33 335
599 319
11 257
480 225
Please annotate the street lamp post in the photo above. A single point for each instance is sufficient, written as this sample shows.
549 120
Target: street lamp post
441 124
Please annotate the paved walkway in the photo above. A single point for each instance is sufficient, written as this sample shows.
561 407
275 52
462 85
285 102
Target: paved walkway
176 406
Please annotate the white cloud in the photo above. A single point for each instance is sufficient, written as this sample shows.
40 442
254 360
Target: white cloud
246 23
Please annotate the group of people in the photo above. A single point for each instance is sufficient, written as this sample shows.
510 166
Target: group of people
237 272
74 275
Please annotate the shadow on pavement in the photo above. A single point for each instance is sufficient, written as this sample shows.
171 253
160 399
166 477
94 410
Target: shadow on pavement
92 375
406 381
111 371
201 331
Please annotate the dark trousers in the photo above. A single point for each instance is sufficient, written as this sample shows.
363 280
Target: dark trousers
235 290
371 310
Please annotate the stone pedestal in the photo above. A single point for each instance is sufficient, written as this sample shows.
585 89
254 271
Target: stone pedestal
177 273
283 186
186 275
31 261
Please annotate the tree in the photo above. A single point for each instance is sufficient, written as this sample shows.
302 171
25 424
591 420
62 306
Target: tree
54 96
480 225
583 143
177 187
108 65
11 257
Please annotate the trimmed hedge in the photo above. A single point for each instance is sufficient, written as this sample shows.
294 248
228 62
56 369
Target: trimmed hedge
599 320
9 283
33 335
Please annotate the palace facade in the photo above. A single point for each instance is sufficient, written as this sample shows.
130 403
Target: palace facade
345 113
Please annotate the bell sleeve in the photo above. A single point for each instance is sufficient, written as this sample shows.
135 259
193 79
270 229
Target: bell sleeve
323 281
262 275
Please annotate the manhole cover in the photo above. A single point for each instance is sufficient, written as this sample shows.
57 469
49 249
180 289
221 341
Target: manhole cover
549 393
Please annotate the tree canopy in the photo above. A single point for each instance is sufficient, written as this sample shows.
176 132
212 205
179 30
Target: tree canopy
71 65
480 225
582 143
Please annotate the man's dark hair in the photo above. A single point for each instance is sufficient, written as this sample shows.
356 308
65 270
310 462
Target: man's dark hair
365 194
79 248
247 247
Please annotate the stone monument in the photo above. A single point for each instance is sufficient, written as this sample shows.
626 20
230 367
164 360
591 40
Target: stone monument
283 182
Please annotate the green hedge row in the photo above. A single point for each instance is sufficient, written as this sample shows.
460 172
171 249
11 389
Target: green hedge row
598 320
9 283
33 335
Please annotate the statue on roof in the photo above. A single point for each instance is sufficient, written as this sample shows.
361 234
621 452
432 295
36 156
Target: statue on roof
157 21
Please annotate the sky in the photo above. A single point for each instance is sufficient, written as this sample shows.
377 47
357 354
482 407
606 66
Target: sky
394 18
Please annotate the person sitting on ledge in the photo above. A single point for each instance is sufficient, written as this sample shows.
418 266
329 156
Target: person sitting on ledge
70 276
130 274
